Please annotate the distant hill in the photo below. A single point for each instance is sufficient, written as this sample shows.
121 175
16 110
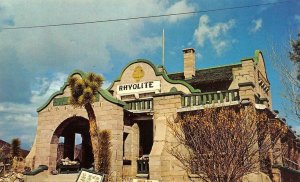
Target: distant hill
6 149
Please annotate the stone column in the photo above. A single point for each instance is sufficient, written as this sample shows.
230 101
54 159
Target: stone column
83 150
165 107
135 143
69 146
246 91
53 153
245 78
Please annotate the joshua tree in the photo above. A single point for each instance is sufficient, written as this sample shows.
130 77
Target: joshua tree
105 153
15 147
84 92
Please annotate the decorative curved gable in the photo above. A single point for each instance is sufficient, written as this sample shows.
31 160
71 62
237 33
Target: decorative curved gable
260 64
104 93
137 74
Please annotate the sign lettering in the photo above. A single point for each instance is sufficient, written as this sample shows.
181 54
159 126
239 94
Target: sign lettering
141 87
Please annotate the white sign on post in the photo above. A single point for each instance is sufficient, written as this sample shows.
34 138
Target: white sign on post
140 87
89 176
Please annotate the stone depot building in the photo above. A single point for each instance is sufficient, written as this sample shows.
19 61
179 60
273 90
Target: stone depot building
136 107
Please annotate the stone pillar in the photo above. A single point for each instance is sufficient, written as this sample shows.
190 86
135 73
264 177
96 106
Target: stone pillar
84 145
246 91
245 79
127 146
53 153
69 146
160 161
135 143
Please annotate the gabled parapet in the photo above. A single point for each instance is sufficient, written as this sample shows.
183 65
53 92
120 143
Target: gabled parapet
64 100
252 80
143 77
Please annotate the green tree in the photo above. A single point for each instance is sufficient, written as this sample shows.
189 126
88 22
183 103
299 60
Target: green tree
84 92
15 147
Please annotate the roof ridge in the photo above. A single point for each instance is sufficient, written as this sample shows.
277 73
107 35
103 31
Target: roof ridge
214 67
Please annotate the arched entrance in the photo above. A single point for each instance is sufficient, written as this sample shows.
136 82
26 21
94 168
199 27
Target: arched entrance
67 130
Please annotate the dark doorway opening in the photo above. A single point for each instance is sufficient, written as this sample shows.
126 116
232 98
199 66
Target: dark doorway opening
146 137
74 141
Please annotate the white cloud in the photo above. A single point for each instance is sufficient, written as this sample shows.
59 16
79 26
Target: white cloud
20 120
199 56
179 7
34 53
23 119
85 46
213 33
47 87
257 25
15 108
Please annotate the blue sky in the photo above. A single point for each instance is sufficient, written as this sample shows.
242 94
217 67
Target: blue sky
34 63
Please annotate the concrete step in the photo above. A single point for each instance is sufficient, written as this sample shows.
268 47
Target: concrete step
62 178
45 177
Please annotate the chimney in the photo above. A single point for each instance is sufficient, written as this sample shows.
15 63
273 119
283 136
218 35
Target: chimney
189 62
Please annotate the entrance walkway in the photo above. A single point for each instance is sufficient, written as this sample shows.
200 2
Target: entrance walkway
45 177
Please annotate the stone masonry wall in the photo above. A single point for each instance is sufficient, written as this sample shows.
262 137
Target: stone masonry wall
109 116
243 78
261 82
249 78
48 120
163 166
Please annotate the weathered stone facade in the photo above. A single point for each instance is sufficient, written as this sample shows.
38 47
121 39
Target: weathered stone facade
136 108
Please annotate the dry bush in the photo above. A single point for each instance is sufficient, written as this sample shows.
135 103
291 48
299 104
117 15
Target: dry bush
223 144
286 60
